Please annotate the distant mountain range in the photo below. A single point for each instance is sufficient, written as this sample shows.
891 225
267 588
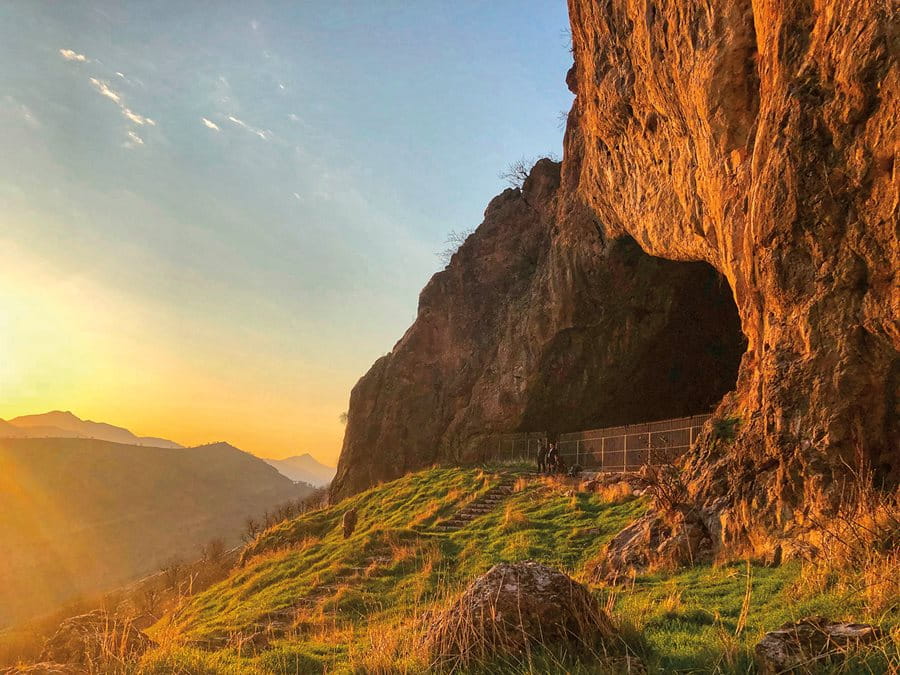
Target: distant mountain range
60 424
80 515
304 469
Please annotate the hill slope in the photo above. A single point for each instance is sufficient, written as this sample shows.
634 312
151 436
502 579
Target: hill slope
82 514
59 424
304 469
307 600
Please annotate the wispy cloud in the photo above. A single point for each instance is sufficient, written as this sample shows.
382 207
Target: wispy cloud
135 118
262 133
70 55
19 110
105 90
133 140
210 124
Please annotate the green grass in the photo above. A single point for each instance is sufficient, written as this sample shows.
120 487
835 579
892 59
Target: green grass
359 604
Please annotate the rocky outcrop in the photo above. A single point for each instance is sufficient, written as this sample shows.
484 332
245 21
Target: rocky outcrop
95 638
540 322
812 645
760 137
513 608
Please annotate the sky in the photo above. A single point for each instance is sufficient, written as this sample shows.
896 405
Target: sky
214 216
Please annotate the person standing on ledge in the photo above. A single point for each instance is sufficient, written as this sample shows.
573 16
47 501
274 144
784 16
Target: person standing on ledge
552 459
542 457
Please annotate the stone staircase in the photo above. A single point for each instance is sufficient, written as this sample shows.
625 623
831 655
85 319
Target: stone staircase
485 504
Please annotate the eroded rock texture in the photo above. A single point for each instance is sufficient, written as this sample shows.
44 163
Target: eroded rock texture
760 137
540 322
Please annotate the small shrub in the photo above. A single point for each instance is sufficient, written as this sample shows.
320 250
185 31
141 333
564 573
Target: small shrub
725 428
213 551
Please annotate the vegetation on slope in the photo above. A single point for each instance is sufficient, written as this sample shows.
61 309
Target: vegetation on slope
306 600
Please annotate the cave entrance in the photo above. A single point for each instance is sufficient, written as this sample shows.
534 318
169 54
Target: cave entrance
654 339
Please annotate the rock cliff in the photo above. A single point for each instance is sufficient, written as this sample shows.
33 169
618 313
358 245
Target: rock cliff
753 142
760 137
540 322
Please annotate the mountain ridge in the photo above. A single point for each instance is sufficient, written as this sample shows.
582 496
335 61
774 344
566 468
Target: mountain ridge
65 424
303 468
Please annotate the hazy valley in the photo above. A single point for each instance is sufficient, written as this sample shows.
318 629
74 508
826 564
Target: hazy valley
83 515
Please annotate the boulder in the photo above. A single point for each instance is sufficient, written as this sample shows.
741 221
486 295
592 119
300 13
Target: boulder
658 539
511 609
811 643
44 668
348 522
95 637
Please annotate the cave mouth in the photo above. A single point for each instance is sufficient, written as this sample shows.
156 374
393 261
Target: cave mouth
657 339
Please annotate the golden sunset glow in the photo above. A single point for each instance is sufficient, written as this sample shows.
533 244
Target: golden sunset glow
68 344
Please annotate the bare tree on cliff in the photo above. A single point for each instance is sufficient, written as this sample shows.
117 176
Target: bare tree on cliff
516 173
451 245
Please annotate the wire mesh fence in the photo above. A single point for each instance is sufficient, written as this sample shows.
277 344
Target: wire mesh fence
622 448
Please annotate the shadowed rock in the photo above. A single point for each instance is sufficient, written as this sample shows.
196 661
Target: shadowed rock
348 522
811 644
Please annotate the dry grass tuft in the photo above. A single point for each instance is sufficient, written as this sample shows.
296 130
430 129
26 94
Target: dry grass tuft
389 650
514 519
857 549
615 493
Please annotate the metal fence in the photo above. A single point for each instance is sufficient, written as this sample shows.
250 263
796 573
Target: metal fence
623 448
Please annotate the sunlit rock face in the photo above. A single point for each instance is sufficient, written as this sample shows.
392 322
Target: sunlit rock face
541 321
761 138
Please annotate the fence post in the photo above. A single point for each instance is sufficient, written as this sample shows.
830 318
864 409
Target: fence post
603 453
625 452
577 451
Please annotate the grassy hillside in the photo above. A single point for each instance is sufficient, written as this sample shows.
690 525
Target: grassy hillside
79 515
306 600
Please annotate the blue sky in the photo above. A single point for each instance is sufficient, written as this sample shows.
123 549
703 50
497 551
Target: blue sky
246 194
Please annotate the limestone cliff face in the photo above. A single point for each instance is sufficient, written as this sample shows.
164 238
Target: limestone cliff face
540 322
760 137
